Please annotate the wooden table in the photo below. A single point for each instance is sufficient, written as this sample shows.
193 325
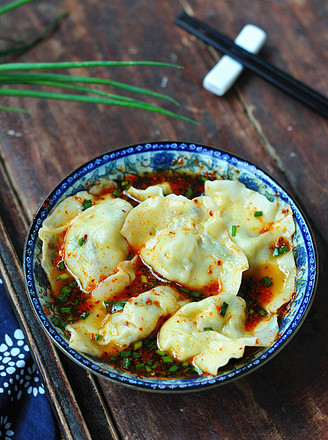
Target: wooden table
288 397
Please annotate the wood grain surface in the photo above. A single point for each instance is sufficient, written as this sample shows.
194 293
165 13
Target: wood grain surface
288 397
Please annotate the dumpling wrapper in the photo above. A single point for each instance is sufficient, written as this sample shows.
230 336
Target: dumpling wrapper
138 319
104 246
199 333
257 235
185 241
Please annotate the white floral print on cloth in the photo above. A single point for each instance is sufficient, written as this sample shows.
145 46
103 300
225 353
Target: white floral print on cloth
22 394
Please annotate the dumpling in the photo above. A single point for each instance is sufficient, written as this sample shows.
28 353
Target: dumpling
185 241
93 245
162 189
212 331
139 318
259 225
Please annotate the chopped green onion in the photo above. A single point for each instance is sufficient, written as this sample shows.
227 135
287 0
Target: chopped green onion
251 311
295 253
116 193
174 368
185 364
195 294
167 359
155 366
125 353
140 366
148 368
184 290
280 250
118 306
86 204
63 276
136 355
206 329
144 278
56 321
197 370
203 178
82 241
98 337
126 363
125 183
112 358
258 213
188 193
61 265
224 308
63 297
70 317
267 281
233 230
65 309
137 345
66 290
160 352
72 283
263 312
84 315
108 305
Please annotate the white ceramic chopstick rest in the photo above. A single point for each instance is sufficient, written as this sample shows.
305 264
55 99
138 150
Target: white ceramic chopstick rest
226 71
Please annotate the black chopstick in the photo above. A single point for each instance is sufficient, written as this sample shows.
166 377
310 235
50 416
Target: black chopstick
293 87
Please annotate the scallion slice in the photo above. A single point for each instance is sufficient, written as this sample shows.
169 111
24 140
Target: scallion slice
233 230
86 204
258 213
224 308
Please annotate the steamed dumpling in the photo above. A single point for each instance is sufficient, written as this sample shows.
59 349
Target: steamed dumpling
185 241
93 243
199 333
136 321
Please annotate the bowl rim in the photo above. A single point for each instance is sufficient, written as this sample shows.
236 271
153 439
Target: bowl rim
141 383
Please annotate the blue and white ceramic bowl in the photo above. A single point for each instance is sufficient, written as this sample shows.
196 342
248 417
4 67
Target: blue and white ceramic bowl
183 157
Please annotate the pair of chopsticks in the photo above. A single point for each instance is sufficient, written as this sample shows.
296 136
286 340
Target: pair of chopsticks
293 87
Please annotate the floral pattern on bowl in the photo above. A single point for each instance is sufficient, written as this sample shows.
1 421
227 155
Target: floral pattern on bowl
183 157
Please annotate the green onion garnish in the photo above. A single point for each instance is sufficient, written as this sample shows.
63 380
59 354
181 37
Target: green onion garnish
195 294
63 276
160 352
126 363
82 240
184 290
84 315
125 183
140 366
66 309
174 368
116 193
72 283
224 308
258 213
125 354
207 329
86 204
61 265
63 297
280 250
98 337
263 312
203 178
149 369
136 355
188 193
112 358
118 306
167 359
108 305
185 364
144 278
267 281
137 345
65 290
233 230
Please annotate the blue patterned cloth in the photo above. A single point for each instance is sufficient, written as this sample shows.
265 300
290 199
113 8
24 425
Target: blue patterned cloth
25 412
